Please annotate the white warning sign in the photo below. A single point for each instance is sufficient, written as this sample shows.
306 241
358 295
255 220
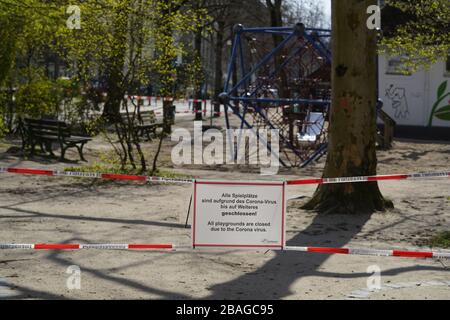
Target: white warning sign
239 214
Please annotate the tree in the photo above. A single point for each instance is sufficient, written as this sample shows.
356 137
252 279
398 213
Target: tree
11 23
117 79
9 28
309 12
224 15
352 132
276 20
122 46
27 30
125 45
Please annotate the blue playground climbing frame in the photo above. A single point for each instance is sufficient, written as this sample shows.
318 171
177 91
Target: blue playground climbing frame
280 78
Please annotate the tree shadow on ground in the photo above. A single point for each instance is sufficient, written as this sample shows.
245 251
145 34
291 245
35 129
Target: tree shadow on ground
15 153
36 214
16 292
121 281
274 279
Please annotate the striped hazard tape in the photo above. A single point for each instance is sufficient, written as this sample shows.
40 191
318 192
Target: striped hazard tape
374 252
94 175
150 98
322 250
109 176
428 175
356 251
177 112
87 246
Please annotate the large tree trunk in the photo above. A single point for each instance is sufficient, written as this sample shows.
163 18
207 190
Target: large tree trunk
352 133
197 105
218 74
276 20
167 80
276 17
116 62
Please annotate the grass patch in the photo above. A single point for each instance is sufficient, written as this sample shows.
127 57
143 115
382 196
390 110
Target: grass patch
442 240
108 163
5 145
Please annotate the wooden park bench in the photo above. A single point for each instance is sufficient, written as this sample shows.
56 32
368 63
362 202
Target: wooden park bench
385 135
46 132
145 124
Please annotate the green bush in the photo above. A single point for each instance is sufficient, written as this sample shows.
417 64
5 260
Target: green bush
38 98
442 240
2 126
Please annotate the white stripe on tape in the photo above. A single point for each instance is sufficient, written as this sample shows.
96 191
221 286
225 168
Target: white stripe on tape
104 246
3 170
169 180
444 255
302 249
77 174
429 175
17 246
344 180
371 252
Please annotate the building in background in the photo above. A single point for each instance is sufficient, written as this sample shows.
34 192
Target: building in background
419 102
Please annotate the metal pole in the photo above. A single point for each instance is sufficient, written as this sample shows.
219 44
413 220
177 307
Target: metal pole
188 214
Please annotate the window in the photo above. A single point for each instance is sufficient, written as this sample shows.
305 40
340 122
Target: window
396 66
447 66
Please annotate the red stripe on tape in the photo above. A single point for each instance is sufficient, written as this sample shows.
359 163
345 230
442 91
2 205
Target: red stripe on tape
56 246
329 250
306 181
108 176
384 178
31 171
150 246
412 254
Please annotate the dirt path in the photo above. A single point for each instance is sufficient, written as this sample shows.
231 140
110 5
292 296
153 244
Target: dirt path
57 210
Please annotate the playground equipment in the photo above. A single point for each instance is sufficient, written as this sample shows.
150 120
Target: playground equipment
282 80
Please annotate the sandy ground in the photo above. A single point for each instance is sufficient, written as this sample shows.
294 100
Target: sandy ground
59 210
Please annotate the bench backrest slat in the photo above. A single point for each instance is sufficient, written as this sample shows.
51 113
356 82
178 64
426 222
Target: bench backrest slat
146 117
52 128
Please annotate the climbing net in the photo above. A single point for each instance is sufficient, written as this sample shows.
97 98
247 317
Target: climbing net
282 80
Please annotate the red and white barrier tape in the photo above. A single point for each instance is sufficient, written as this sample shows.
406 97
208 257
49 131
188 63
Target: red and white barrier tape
150 98
177 112
371 252
371 178
94 175
345 251
87 246
107 176
374 252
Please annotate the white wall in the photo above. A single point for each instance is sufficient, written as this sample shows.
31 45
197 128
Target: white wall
409 99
